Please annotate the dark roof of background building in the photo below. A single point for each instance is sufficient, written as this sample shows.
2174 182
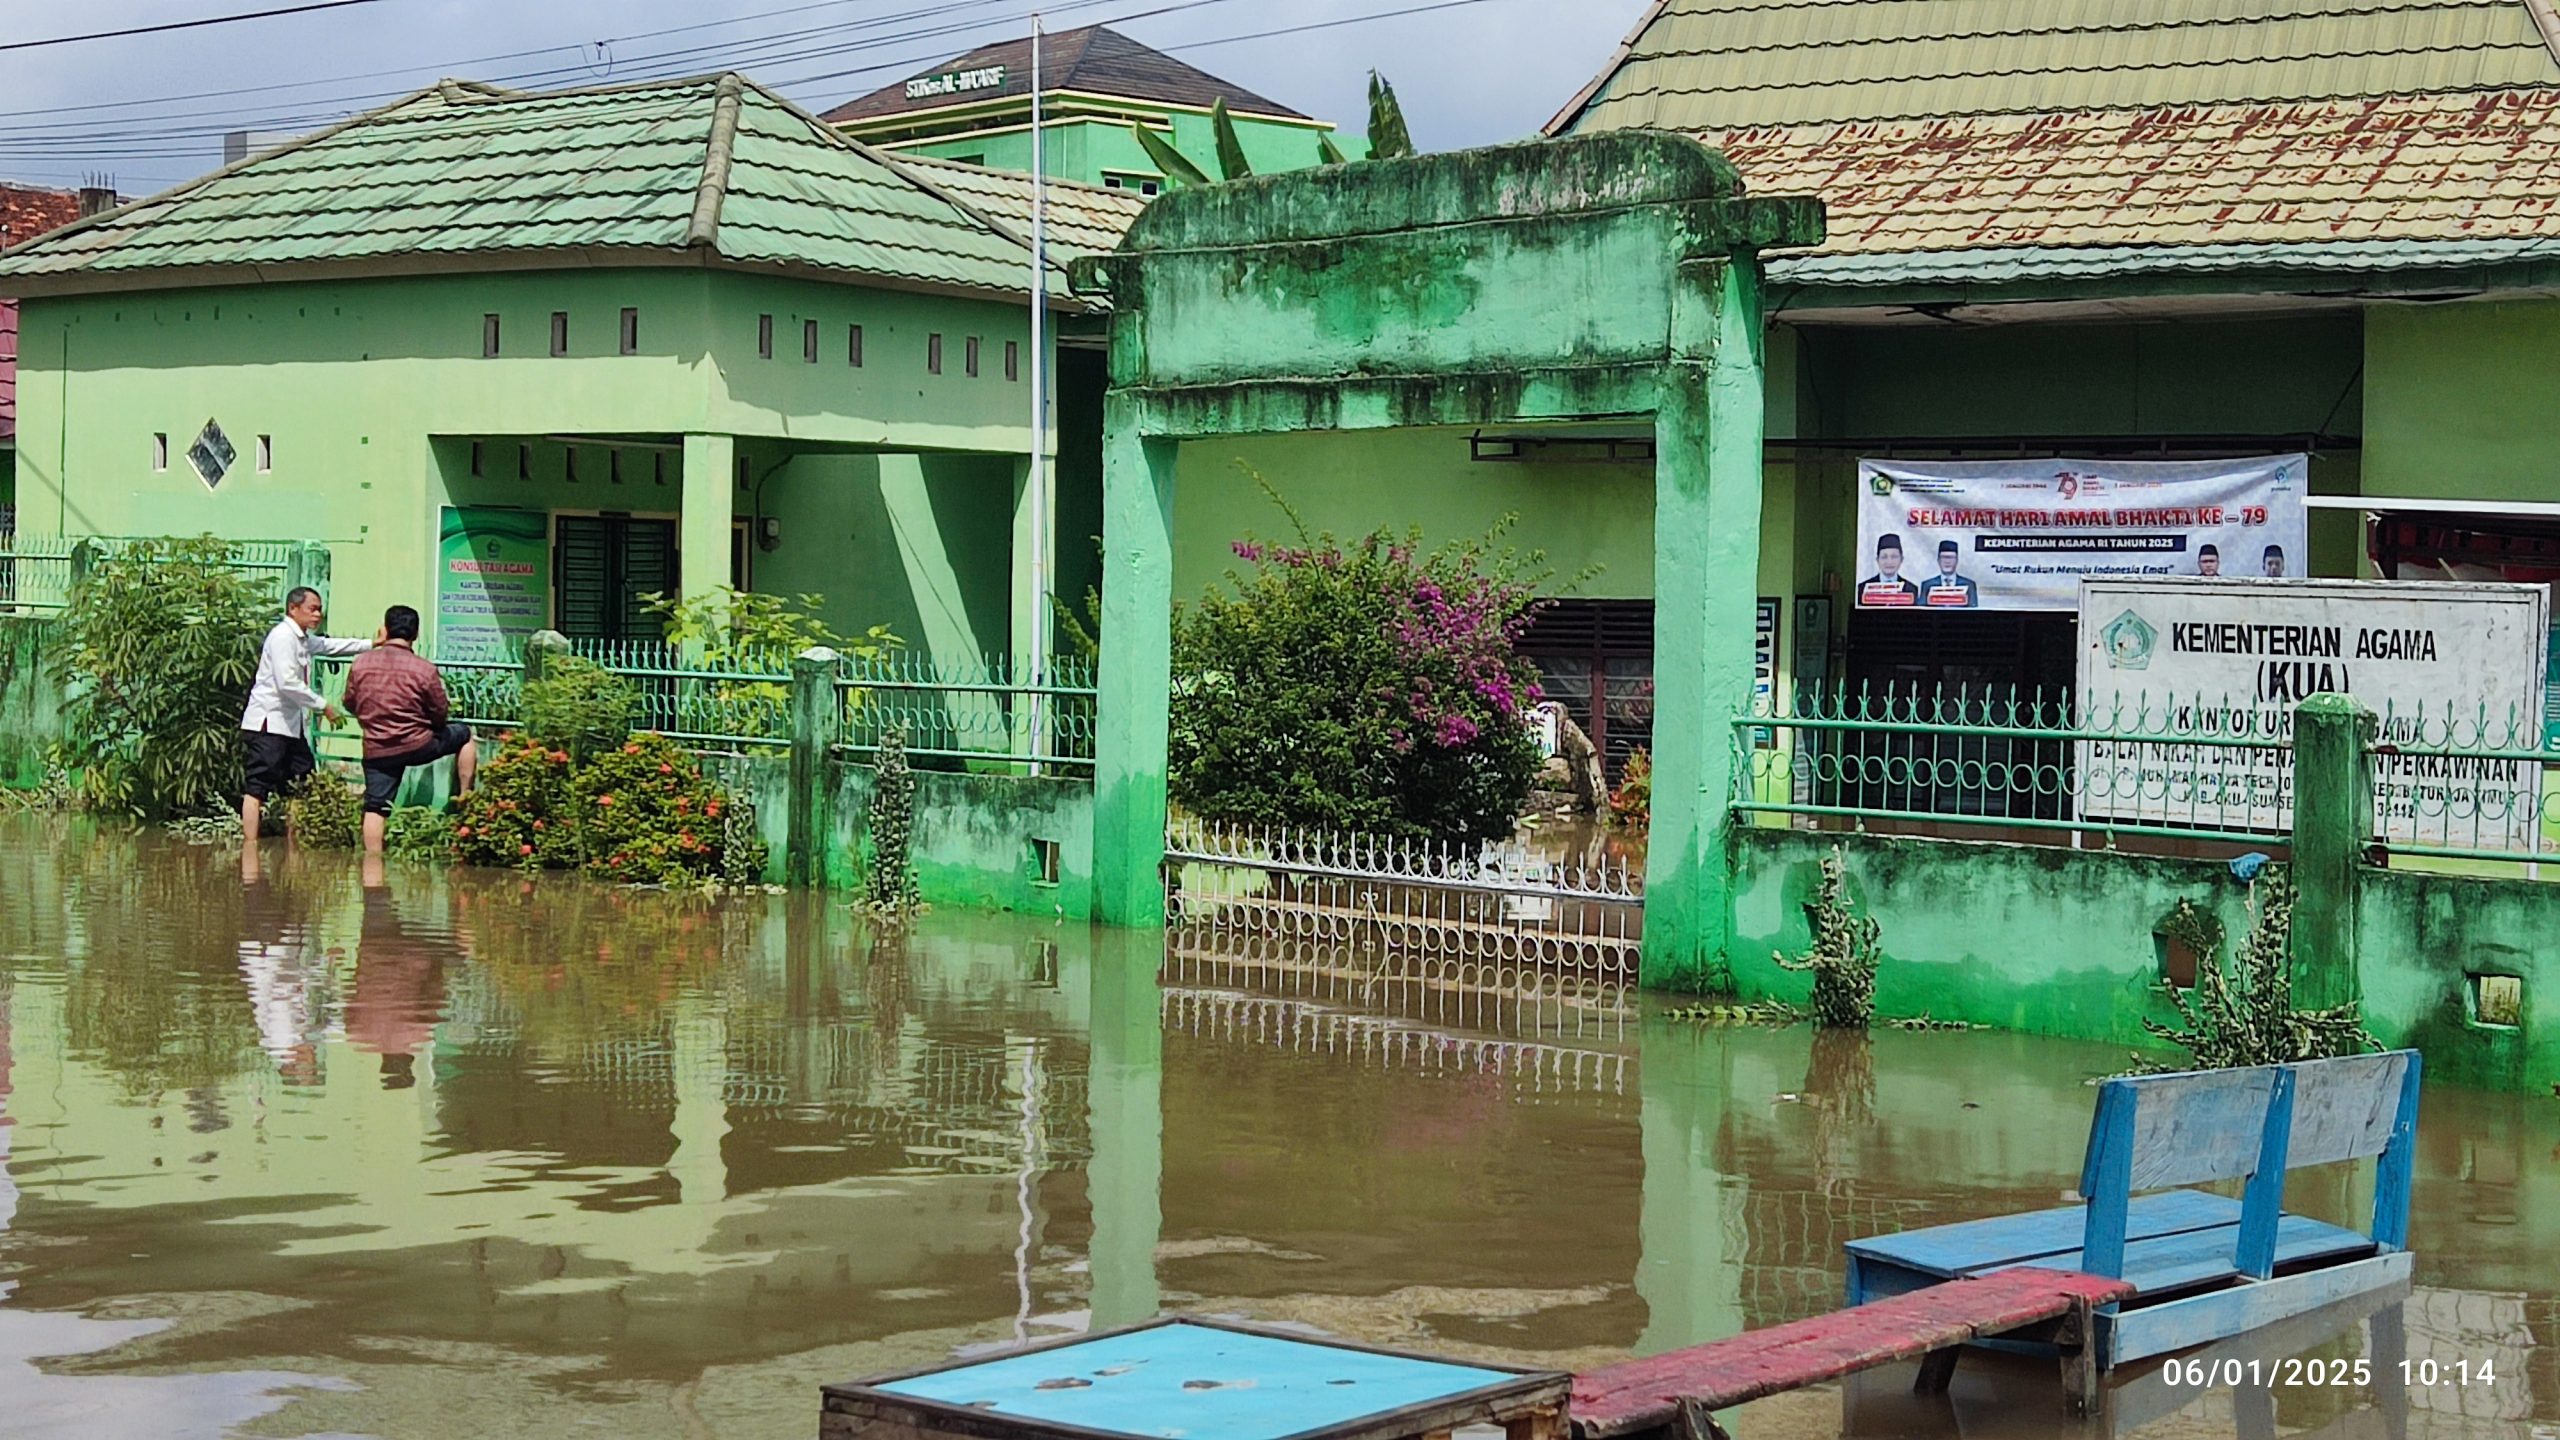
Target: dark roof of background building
715 169
1096 60
25 213
1984 141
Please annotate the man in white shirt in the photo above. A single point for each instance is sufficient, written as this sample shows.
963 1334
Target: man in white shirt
281 700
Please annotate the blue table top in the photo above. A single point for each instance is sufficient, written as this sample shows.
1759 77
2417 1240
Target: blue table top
1197 1382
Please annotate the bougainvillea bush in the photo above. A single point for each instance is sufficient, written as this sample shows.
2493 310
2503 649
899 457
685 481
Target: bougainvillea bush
1369 687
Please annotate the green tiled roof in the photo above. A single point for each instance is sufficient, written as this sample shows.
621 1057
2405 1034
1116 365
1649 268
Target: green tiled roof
711 170
1701 65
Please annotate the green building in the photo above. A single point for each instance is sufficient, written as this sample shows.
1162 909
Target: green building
2052 233
521 359
1098 88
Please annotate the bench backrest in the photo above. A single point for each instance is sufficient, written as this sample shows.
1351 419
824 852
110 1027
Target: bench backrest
2153 1132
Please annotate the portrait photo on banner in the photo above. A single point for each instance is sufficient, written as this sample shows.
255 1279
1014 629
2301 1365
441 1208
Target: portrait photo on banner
2023 534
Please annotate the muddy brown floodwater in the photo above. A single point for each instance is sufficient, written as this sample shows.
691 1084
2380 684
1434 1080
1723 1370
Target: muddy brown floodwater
459 1155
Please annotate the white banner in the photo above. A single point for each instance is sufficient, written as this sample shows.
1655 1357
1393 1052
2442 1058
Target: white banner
2234 658
2023 534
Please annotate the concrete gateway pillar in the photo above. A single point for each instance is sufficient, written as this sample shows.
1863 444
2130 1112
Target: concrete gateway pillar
1135 709
1706 540
1611 277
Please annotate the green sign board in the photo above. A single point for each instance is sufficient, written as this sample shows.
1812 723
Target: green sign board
2551 695
493 581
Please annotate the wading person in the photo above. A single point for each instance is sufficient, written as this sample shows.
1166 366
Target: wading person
276 725
400 700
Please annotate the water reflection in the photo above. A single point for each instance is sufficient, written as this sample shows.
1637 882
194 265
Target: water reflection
309 1149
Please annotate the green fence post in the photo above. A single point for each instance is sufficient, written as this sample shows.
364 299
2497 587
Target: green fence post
817 719
2332 826
540 649
307 563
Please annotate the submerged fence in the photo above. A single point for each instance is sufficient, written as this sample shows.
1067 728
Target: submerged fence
2443 784
1469 917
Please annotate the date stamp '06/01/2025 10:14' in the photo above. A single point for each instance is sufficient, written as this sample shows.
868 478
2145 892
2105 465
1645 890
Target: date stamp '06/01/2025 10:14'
2308 1371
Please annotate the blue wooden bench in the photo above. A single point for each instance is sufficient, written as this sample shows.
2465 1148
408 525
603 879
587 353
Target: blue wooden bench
2204 1266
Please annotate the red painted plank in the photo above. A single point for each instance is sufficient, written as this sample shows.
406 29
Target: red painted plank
1644 1393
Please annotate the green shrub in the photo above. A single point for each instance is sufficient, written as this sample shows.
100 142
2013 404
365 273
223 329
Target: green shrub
579 707
325 812
745 632
160 644
1845 953
2241 1010
518 813
647 815
889 885
1367 688
414 832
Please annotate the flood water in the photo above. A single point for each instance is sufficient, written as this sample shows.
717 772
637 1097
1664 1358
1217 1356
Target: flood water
459 1155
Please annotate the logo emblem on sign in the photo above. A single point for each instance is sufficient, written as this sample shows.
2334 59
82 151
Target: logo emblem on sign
1881 483
2129 639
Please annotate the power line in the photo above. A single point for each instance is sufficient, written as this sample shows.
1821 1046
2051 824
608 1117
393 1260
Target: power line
149 144
255 119
125 143
196 24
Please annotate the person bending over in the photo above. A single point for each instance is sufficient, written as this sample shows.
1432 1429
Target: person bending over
399 699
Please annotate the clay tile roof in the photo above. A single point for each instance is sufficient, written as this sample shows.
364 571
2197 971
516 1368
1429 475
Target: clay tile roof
1959 141
25 213
1096 60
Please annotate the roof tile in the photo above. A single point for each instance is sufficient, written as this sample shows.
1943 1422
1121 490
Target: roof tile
454 171
24 214
1957 140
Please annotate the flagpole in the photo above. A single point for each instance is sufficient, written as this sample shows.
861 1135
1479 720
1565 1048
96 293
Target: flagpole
1041 525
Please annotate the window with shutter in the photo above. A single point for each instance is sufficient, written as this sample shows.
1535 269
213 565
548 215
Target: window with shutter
1595 658
606 563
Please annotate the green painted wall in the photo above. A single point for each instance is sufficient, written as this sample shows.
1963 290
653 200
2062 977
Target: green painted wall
2054 941
2461 403
30 701
2042 939
2423 935
921 544
357 381
973 839
1352 482
1087 149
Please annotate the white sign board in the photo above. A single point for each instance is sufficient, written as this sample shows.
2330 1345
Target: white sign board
2023 534
2234 657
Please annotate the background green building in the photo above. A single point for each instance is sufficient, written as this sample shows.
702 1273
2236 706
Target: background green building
2322 227
520 359
1098 88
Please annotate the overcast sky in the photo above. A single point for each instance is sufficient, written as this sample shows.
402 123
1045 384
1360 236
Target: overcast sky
149 109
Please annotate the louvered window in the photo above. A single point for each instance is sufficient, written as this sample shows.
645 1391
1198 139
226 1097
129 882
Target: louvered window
606 563
1595 658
